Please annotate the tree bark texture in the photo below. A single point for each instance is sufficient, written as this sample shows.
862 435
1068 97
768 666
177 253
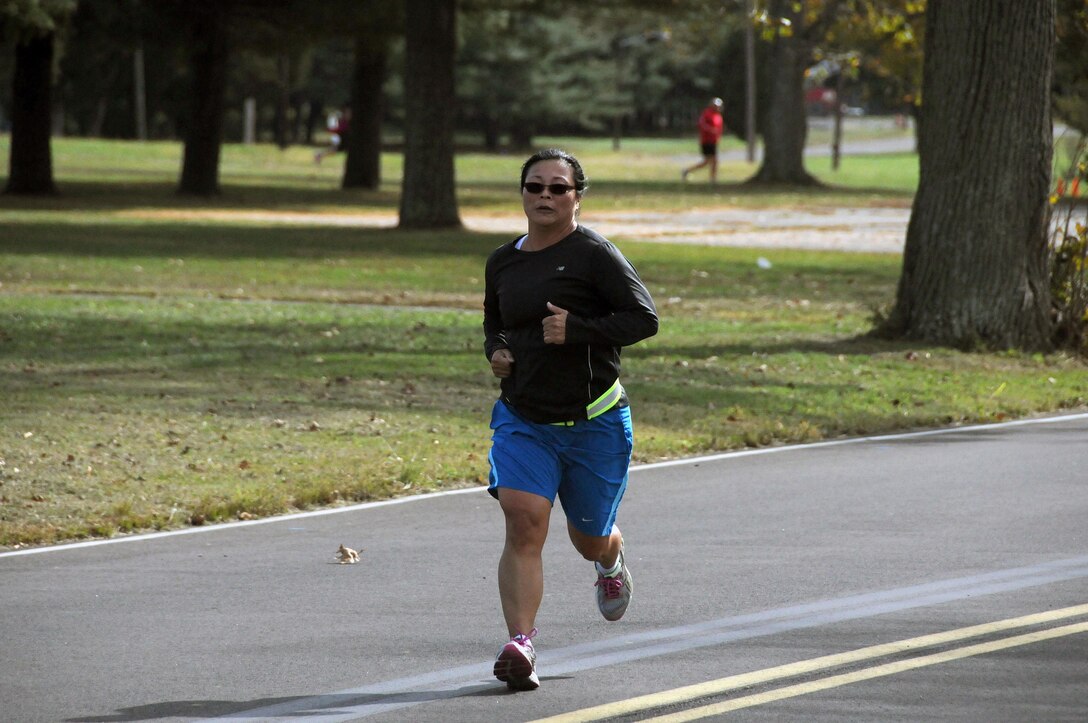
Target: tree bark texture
204 134
782 118
975 266
428 196
363 168
31 162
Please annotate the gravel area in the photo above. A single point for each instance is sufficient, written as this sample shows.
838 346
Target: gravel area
839 229
842 229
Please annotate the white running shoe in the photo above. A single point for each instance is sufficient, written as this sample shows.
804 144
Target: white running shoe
516 663
614 593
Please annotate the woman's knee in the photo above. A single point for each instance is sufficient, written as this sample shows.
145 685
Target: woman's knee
590 547
593 551
527 517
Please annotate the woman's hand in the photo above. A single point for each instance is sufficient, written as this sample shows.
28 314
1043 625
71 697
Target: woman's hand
555 326
502 363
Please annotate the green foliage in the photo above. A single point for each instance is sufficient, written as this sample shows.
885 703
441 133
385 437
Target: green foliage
877 44
1069 288
577 71
1069 259
1070 62
35 17
523 68
886 37
95 82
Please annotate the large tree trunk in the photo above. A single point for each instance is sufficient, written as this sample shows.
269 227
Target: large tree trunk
204 134
363 167
782 118
31 162
428 197
975 264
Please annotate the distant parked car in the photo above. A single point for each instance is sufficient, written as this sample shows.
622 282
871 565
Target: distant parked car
820 101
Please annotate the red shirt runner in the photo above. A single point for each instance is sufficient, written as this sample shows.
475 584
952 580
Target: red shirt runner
710 126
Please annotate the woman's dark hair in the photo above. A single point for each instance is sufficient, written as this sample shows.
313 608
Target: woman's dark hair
581 183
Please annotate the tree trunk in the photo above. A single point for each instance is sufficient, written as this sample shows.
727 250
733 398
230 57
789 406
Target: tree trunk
283 100
492 132
314 119
782 118
521 137
204 135
298 109
975 264
139 93
363 167
836 134
31 162
98 120
428 196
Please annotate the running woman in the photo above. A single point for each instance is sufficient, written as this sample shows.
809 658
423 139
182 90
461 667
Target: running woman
559 304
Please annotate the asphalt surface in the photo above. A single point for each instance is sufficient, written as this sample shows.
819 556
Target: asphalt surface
791 584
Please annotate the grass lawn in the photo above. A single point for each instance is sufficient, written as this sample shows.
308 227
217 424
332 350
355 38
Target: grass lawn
163 365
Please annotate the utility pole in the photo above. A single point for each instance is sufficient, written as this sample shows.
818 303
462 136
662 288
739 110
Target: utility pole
836 136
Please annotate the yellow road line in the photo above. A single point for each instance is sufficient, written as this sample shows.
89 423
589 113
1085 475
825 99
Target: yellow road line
878 671
735 682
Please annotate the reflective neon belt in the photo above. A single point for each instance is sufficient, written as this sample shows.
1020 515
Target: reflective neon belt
601 404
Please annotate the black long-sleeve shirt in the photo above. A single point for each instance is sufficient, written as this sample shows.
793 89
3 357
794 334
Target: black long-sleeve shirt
609 307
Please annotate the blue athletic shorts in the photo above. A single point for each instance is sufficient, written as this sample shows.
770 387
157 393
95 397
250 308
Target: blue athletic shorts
585 464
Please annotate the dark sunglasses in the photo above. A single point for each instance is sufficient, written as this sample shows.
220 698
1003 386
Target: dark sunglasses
556 189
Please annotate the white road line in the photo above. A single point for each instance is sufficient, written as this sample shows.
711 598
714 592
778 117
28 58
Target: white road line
856 440
391 695
870 654
835 681
636 468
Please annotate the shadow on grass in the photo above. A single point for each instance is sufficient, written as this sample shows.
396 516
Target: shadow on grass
155 193
850 346
219 240
301 195
199 360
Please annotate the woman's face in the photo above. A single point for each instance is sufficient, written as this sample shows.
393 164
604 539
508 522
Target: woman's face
547 208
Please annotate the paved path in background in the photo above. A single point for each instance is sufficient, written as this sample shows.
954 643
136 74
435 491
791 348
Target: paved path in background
814 228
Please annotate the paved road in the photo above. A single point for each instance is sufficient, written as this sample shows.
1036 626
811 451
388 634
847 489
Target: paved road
750 569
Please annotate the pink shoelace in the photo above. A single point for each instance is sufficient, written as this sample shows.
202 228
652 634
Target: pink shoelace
523 638
612 586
